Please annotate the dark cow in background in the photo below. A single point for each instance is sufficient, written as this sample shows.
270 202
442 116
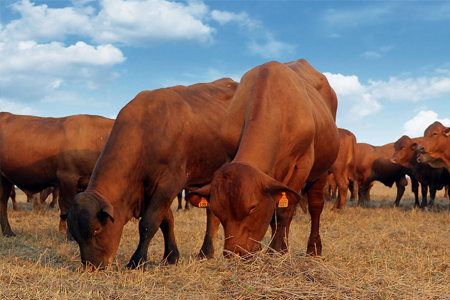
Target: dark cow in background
281 134
162 141
436 143
36 153
406 153
373 163
343 169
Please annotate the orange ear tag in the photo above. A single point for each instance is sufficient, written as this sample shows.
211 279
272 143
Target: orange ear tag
203 203
283 201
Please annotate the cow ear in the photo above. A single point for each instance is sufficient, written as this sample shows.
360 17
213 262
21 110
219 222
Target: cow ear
414 146
200 197
447 132
65 215
105 212
282 195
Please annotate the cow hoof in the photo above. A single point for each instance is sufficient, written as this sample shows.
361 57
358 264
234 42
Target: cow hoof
9 233
132 265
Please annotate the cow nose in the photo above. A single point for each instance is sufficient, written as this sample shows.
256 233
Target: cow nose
421 150
393 160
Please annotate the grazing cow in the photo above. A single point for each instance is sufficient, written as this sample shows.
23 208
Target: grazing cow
40 152
373 163
281 134
436 143
343 168
162 141
406 153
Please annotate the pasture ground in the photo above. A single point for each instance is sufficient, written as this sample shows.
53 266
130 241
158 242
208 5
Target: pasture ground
378 252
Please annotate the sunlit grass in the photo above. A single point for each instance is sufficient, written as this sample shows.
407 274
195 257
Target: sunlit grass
378 252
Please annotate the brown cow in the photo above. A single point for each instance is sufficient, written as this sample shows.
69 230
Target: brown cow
40 152
46 192
343 168
282 134
406 153
436 143
373 163
180 200
162 141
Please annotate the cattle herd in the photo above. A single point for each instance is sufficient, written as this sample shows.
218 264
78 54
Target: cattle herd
248 152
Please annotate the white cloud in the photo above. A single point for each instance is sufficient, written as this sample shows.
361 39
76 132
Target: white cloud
16 108
371 55
243 19
270 48
354 99
44 24
31 70
417 125
376 54
443 71
141 23
411 89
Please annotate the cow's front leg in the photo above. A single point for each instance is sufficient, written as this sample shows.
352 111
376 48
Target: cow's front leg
5 191
171 254
212 226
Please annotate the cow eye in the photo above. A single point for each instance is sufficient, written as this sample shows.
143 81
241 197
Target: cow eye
97 230
435 133
253 209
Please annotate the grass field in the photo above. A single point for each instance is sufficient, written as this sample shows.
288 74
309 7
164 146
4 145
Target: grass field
378 252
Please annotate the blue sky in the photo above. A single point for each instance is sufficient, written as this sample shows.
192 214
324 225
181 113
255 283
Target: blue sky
389 61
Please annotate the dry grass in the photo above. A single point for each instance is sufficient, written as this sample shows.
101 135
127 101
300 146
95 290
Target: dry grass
374 253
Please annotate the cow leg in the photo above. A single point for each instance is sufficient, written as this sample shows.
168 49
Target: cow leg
352 188
186 205
55 195
149 224
212 226
13 198
67 192
401 183
424 195
364 193
180 201
342 183
446 192
5 191
316 202
171 253
432 196
415 190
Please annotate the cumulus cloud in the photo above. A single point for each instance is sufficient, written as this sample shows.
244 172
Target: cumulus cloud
243 19
354 99
417 125
357 100
270 48
411 89
141 23
31 70
16 108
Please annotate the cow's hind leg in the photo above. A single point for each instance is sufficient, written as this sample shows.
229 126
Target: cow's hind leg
316 202
5 191
171 254
149 224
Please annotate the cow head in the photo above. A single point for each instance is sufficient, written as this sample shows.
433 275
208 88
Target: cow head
245 200
436 142
405 149
91 222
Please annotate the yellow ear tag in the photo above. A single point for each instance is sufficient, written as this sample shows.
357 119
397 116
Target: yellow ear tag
203 203
283 201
